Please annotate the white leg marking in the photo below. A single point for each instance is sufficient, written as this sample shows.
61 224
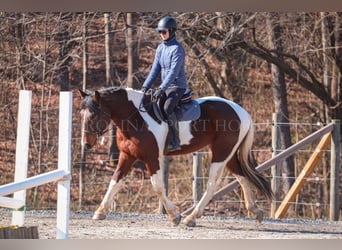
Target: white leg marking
214 180
107 201
249 197
159 187
246 190
113 188
215 175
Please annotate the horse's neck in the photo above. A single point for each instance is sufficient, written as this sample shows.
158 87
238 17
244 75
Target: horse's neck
135 96
125 110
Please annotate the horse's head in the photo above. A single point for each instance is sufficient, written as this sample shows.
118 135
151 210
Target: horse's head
94 119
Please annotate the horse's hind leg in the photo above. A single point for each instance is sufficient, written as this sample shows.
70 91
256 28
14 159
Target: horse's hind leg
249 197
214 179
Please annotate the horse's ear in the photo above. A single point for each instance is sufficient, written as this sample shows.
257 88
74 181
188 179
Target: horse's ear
96 96
82 93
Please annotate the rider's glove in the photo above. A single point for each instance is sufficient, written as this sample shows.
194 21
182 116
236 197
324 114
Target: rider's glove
158 93
144 89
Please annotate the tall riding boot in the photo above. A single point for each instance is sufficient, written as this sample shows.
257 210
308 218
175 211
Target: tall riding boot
174 143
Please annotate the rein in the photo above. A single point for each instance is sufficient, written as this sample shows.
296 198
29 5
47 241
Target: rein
147 107
96 108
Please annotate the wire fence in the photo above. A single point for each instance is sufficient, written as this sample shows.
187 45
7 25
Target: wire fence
99 173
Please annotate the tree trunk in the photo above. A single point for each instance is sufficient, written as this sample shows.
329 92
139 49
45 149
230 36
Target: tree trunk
85 50
131 52
19 30
108 50
280 99
336 89
84 87
327 81
113 149
64 51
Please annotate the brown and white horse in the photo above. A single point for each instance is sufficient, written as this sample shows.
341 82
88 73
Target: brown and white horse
223 125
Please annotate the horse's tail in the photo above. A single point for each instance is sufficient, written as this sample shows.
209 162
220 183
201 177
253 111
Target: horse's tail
248 164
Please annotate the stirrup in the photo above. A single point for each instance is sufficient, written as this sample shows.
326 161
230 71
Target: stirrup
173 146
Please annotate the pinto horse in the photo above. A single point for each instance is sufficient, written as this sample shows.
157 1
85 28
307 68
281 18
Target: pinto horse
223 125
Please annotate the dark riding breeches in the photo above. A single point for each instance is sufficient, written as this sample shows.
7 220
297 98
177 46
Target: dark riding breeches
173 96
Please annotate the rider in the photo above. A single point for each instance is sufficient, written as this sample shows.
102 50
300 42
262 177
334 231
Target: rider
169 60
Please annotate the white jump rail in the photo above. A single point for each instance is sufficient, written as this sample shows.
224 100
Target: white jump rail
62 174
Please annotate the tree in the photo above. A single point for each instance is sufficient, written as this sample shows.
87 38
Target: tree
64 50
292 66
113 149
108 50
280 98
132 55
336 43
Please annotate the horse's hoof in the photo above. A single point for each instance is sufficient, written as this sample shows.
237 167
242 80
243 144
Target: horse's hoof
259 216
99 216
190 222
176 220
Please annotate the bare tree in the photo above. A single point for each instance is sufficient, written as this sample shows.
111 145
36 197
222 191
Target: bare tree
113 149
132 56
336 92
64 50
84 86
108 50
280 98
19 30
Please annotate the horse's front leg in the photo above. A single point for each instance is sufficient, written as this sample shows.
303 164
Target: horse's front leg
124 165
158 184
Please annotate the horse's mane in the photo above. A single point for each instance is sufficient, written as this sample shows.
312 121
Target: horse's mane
111 90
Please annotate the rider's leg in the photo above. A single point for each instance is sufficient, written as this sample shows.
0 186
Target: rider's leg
173 96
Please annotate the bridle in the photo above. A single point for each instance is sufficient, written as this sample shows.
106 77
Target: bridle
96 109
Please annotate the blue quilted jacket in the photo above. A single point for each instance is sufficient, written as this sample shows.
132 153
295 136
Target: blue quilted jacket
169 60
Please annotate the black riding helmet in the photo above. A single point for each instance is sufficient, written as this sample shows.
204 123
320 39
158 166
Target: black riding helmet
167 23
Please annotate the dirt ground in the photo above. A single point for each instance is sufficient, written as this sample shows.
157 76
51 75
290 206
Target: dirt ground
156 226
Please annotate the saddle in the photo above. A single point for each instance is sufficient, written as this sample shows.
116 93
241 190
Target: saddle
187 108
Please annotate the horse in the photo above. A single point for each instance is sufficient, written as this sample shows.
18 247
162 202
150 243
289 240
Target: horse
224 126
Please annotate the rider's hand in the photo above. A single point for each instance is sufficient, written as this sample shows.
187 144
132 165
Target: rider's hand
158 93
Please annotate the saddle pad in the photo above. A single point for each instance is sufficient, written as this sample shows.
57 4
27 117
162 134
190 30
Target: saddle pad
188 111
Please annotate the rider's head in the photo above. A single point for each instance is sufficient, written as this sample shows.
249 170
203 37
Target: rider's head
167 23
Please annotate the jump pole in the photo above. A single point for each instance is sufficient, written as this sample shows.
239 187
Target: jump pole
22 150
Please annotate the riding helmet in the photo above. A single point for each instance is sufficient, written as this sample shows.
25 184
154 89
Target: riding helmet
167 23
